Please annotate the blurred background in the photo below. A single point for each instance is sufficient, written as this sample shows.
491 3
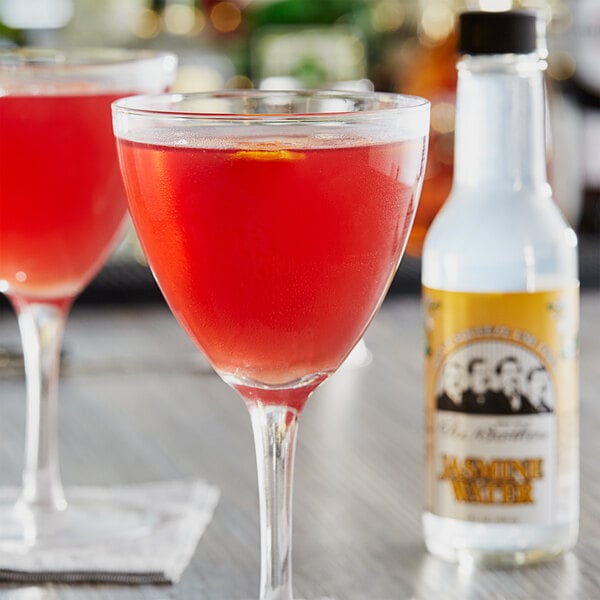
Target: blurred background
404 46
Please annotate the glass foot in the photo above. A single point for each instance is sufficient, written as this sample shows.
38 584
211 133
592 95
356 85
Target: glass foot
143 532
85 522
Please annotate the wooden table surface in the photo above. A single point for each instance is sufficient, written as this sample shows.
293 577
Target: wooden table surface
138 404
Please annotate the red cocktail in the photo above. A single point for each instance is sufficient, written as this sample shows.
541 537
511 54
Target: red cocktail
273 259
63 201
274 223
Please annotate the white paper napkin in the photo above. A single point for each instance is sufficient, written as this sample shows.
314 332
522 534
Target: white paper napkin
178 511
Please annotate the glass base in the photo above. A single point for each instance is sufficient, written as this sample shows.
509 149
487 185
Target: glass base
128 534
85 522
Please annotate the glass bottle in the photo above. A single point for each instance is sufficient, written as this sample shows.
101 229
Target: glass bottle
500 295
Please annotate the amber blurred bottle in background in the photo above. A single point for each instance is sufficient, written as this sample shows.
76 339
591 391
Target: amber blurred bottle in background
433 76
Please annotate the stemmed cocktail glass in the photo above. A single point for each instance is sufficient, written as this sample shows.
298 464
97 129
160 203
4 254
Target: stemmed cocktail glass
62 210
274 223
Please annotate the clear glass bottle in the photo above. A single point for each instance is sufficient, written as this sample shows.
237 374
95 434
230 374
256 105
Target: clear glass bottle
500 295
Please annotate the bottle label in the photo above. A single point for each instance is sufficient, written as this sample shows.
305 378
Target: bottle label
501 405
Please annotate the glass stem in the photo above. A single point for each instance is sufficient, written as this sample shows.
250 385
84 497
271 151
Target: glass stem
274 430
42 325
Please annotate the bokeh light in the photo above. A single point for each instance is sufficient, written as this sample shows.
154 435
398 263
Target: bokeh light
437 22
495 5
388 15
225 17
561 65
442 117
147 25
179 18
239 82
197 78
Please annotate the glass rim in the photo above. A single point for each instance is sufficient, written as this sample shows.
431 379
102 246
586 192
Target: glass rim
160 106
49 59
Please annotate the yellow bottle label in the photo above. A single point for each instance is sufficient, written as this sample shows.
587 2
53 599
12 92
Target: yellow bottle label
501 405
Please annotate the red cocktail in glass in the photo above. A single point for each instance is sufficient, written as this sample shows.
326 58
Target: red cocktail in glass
63 200
274 223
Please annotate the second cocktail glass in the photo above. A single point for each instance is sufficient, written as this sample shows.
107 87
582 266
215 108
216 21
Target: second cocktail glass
62 210
274 223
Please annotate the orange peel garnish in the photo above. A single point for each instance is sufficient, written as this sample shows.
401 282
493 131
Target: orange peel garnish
269 154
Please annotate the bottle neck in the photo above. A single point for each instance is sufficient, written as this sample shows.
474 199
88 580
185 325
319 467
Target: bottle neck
500 124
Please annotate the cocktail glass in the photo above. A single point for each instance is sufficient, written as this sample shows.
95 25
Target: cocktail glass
62 211
274 223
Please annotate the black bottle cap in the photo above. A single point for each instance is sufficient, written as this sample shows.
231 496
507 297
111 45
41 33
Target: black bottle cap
509 32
